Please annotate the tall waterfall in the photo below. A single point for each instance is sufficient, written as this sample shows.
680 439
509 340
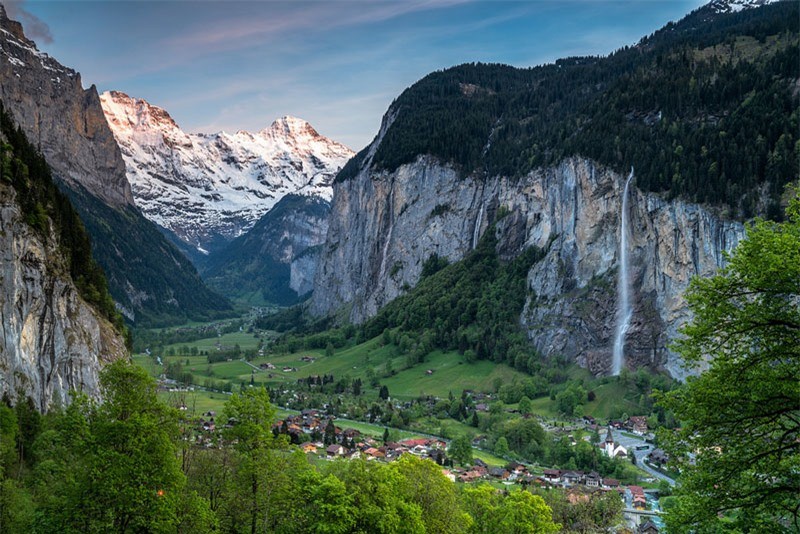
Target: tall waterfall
476 233
624 311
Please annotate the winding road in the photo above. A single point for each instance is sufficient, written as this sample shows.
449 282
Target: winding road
631 443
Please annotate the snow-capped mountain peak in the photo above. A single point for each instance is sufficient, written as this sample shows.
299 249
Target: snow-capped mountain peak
732 6
288 126
210 188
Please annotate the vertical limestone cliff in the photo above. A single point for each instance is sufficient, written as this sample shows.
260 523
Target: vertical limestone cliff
51 341
384 226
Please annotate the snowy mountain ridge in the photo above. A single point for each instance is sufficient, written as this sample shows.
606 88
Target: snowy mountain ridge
732 6
210 188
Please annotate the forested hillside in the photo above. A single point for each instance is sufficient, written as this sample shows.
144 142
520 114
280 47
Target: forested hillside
705 109
472 305
136 255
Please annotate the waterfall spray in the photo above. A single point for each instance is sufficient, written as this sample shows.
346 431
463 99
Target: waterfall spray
624 311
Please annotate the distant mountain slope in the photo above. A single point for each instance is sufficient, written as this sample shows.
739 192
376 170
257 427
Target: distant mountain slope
210 188
705 109
276 260
67 123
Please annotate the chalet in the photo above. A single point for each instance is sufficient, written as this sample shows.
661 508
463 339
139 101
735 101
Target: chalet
372 453
309 448
610 483
480 463
334 450
552 475
411 443
449 474
592 480
308 359
517 467
351 433
469 476
499 472
571 478
481 407
478 440
482 471
637 497
648 527
266 366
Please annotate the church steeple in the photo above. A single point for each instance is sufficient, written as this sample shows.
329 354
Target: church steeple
609 437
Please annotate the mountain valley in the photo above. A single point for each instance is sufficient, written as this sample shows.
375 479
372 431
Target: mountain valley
558 298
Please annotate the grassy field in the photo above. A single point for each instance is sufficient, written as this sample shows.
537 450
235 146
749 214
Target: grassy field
197 402
450 373
245 340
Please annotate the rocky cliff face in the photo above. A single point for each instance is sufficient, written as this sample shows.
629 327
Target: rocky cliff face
60 117
209 189
52 341
383 227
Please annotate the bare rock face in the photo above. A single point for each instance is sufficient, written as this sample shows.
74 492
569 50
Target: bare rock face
383 226
51 341
65 121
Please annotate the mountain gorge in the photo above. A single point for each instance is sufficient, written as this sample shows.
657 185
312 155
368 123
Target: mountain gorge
209 189
149 278
540 157
276 260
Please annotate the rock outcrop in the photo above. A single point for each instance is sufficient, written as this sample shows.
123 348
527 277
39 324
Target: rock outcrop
52 342
383 227
64 120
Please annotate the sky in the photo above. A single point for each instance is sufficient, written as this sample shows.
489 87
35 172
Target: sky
338 64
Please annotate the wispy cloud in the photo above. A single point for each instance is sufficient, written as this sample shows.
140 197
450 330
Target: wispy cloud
35 28
277 21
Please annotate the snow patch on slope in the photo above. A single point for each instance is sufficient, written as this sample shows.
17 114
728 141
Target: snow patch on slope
734 6
211 188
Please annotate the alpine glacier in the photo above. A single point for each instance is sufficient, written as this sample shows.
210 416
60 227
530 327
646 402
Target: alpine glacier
210 188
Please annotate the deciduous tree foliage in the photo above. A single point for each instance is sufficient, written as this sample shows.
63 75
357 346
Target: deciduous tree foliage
460 450
739 446
520 512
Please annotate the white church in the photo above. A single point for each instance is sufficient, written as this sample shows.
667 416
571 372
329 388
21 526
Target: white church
611 449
